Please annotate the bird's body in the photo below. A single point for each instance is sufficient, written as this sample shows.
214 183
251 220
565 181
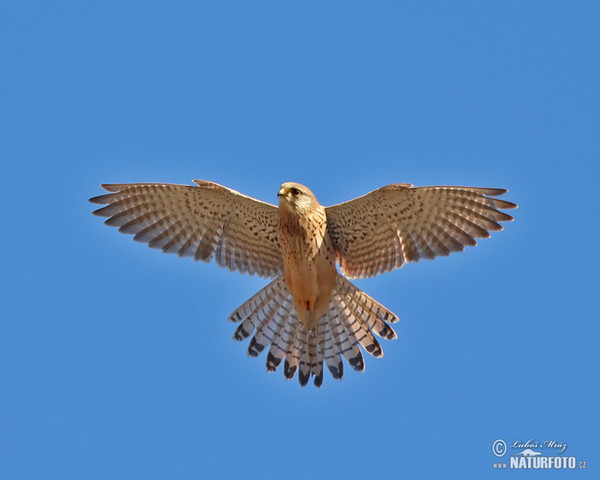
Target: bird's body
309 315
308 254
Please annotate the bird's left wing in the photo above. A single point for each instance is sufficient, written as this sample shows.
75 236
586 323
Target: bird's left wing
205 222
382 230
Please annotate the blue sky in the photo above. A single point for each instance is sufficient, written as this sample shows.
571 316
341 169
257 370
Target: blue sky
117 361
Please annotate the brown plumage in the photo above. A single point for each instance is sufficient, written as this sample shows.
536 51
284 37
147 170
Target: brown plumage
310 314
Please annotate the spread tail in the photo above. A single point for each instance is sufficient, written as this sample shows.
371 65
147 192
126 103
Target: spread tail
349 323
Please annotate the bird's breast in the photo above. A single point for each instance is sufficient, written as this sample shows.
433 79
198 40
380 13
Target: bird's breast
309 266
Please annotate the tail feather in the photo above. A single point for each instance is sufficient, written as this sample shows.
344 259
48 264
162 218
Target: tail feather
316 364
334 360
370 311
250 313
308 361
279 346
276 351
359 330
294 352
275 316
328 351
257 301
344 342
351 321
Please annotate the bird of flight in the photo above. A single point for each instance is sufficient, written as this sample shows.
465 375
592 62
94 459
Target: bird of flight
310 314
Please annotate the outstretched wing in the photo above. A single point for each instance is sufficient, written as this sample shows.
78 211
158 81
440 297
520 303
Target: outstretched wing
205 222
382 230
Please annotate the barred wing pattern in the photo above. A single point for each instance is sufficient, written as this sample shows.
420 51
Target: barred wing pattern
382 230
205 222
351 321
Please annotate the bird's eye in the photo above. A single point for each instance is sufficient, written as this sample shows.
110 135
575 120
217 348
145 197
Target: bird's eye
295 192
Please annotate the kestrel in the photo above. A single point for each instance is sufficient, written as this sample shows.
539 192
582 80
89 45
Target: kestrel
310 313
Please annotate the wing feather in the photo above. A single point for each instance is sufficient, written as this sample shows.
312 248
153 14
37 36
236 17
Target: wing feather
205 221
399 223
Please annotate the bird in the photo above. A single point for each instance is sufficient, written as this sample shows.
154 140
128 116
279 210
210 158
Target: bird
310 314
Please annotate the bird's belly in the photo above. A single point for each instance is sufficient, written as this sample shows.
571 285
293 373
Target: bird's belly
311 284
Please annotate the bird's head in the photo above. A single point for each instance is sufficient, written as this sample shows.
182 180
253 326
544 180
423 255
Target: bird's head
297 198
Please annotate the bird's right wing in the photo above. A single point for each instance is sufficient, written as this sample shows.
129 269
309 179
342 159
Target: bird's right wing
205 222
382 230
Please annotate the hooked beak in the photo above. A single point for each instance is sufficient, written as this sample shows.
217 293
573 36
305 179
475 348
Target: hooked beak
282 192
